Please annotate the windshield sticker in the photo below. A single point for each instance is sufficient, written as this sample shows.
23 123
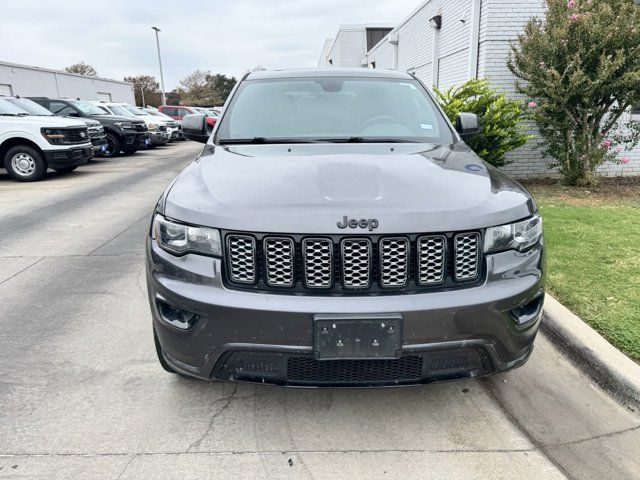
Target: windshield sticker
426 126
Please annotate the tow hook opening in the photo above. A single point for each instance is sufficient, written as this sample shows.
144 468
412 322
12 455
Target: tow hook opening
529 311
177 317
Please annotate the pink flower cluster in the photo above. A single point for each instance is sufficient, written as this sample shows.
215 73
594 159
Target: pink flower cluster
532 104
606 143
625 160
571 3
574 17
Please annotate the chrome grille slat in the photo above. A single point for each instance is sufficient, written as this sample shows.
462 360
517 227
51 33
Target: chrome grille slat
467 256
279 261
394 262
431 259
318 262
242 258
356 262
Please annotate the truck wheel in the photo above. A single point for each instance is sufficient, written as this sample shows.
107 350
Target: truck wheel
113 146
25 163
65 169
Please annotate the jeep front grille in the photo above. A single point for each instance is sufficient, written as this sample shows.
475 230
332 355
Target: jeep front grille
362 264
278 253
242 258
356 262
317 254
466 263
431 259
394 262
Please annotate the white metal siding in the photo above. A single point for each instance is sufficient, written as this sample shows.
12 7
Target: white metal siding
415 42
31 81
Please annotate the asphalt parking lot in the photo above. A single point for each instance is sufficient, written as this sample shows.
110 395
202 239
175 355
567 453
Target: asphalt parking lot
82 395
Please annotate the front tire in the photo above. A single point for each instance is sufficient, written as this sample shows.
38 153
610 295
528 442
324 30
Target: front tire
25 164
113 146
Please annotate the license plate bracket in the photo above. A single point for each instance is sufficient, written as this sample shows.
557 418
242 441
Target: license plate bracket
344 337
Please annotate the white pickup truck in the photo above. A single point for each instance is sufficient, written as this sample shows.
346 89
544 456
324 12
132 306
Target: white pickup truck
29 145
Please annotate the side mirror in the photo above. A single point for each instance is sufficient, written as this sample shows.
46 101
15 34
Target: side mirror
467 124
194 127
73 113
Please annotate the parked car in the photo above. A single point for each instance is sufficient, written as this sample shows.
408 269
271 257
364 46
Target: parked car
96 130
157 129
174 127
337 231
30 144
178 112
123 134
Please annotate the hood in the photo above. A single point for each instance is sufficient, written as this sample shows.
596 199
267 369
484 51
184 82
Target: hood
310 188
45 121
90 122
117 118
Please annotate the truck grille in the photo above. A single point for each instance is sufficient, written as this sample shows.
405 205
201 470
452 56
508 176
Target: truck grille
76 135
96 131
364 264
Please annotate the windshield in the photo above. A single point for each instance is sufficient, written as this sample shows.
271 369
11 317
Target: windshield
134 110
333 109
120 110
7 108
157 113
29 106
87 108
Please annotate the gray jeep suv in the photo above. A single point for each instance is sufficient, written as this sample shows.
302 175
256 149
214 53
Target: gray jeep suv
337 231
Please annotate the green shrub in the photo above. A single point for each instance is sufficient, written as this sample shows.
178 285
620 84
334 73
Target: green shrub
500 118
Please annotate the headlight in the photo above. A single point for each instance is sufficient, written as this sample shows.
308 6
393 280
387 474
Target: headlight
123 124
178 238
516 236
153 126
54 136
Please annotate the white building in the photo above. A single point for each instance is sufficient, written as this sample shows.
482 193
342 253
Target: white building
350 46
447 42
29 81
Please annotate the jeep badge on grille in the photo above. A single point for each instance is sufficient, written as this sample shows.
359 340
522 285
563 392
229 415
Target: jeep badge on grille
370 223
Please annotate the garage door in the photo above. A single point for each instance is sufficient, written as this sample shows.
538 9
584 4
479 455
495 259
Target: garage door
5 89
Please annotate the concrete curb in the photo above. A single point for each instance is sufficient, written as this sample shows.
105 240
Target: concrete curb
607 366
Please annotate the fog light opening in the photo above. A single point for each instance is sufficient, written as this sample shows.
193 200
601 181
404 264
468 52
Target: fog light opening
182 319
528 311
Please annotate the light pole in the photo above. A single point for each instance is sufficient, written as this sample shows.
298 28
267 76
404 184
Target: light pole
164 100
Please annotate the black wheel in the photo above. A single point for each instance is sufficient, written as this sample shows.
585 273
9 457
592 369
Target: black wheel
65 169
113 146
25 163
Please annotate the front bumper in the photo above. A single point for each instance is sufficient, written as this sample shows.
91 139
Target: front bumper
249 336
68 157
136 140
158 138
99 145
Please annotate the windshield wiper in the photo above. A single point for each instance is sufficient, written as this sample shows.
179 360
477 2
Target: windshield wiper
367 140
264 140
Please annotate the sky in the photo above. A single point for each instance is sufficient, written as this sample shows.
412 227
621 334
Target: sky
223 36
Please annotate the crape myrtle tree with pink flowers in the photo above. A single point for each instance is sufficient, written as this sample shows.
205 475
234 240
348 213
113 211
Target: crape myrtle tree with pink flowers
580 66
